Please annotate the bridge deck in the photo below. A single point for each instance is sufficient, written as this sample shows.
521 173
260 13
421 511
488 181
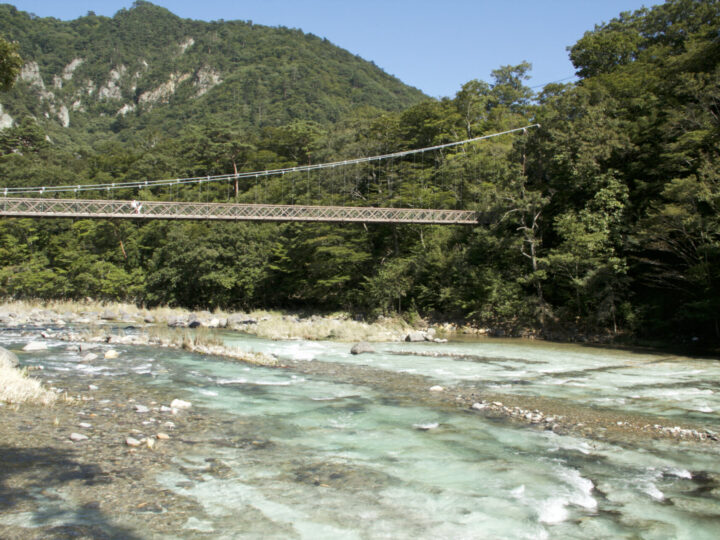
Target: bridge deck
111 209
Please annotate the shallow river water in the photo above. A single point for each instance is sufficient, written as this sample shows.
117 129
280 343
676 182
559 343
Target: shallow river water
329 459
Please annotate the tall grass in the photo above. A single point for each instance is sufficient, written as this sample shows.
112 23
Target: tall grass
17 387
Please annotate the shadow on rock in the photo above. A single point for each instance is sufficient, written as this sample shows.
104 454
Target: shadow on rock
30 485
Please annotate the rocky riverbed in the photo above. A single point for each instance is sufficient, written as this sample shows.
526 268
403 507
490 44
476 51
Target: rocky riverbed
98 449
101 447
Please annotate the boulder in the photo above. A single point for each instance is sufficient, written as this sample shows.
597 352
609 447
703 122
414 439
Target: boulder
8 358
149 319
362 348
194 324
111 354
180 404
108 315
35 346
238 319
89 357
415 336
177 321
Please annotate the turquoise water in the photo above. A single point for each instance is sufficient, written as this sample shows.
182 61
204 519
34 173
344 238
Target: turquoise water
662 384
309 457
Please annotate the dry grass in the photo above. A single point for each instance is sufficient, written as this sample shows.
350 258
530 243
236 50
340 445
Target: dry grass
17 387
336 328
271 324
65 306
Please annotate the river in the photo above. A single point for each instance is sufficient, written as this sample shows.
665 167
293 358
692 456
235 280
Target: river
320 454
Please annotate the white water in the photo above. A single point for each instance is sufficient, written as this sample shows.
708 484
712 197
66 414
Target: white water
313 458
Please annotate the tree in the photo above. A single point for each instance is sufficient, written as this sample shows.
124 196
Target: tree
10 64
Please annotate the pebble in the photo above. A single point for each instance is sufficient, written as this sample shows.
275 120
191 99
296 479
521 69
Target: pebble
162 436
180 404
436 388
84 425
77 437
141 409
132 441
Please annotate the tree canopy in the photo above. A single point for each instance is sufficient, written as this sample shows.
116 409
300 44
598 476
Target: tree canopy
607 218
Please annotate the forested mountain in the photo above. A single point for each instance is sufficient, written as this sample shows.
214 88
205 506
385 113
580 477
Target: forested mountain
147 67
607 217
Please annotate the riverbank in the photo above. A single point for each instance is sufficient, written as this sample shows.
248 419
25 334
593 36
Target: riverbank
266 324
93 458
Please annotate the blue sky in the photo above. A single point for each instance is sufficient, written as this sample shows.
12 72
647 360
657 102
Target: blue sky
434 46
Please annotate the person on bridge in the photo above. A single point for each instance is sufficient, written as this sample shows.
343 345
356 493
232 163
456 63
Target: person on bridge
136 206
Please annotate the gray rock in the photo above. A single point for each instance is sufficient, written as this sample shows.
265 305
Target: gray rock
238 319
180 404
213 323
415 336
177 321
35 346
132 441
8 358
108 315
194 324
77 437
149 319
361 348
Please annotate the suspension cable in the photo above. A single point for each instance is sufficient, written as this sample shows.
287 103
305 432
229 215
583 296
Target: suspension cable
254 174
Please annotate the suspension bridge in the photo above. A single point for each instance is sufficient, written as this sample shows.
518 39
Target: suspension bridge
37 202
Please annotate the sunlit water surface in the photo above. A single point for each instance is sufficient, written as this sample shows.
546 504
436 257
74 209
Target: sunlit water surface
343 461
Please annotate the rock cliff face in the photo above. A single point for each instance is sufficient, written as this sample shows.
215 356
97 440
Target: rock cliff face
119 88
113 71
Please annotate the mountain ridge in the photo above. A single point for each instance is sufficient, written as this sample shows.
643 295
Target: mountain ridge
99 73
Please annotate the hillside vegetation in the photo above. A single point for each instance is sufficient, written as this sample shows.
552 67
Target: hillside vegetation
607 217
146 68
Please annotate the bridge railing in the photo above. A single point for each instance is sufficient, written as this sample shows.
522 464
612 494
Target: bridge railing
122 209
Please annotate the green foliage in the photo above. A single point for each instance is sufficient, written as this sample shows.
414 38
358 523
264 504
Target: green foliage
10 64
604 220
